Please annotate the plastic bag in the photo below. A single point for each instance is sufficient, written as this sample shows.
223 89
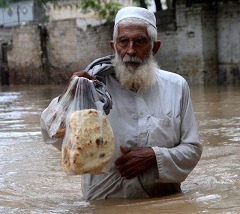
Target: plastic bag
88 143
55 122
56 119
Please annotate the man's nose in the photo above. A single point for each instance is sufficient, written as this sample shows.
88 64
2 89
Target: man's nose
131 51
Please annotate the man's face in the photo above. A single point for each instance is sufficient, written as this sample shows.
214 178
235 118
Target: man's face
133 45
134 63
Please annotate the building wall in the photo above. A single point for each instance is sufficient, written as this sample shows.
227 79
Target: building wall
71 48
196 44
205 47
17 13
24 56
202 44
228 43
71 10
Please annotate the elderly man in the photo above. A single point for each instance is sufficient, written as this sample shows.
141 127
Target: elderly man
152 118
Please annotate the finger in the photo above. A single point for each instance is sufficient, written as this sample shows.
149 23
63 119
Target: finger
128 166
129 173
130 176
125 150
60 134
79 74
76 74
83 74
123 159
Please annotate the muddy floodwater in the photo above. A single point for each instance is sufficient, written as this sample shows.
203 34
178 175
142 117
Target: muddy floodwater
32 180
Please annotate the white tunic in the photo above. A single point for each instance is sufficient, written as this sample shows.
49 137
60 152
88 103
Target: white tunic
163 119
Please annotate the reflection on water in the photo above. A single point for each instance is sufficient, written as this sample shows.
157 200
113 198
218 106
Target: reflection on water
32 180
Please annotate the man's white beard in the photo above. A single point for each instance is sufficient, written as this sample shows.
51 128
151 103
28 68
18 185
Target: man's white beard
138 79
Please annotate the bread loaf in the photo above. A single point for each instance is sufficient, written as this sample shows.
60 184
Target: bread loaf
89 143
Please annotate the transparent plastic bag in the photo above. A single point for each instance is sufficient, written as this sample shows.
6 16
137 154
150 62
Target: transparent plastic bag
99 99
88 143
56 119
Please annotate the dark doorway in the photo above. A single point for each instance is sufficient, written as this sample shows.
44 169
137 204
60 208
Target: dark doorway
4 75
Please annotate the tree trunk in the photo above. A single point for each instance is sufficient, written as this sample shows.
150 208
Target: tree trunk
158 5
171 4
143 4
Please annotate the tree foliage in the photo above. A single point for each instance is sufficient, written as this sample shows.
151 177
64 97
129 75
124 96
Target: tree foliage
3 3
146 4
142 3
40 2
106 10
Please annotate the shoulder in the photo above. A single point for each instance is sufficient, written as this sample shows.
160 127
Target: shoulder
101 66
170 78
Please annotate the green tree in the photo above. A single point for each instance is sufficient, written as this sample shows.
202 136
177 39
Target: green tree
40 2
146 3
3 3
106 10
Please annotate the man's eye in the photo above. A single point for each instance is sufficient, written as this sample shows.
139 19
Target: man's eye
123 41
140 41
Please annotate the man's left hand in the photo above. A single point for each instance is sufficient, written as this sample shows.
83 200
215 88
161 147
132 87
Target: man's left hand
135 161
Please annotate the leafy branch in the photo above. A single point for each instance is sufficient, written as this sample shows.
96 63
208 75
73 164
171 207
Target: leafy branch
3 3
105 10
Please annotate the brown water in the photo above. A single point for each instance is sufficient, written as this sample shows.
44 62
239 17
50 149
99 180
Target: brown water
32 180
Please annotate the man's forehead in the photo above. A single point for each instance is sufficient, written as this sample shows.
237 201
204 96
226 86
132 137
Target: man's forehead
132 30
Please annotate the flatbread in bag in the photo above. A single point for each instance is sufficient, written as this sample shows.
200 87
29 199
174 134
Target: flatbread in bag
90 143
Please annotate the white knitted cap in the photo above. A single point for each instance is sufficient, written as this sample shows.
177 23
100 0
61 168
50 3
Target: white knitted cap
136 12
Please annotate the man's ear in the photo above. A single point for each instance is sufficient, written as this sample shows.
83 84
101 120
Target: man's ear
112 44
156 46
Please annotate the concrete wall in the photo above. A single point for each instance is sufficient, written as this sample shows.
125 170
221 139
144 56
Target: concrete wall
71 48
6 34
17 13
201 43
228 43
71 10
196 44
205 47
20 13
24 56
52 53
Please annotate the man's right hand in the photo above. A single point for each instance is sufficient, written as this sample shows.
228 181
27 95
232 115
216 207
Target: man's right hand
76 74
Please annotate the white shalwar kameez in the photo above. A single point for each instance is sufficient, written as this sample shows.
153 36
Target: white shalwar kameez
161 118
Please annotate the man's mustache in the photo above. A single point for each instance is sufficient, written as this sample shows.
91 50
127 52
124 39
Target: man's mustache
131 59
